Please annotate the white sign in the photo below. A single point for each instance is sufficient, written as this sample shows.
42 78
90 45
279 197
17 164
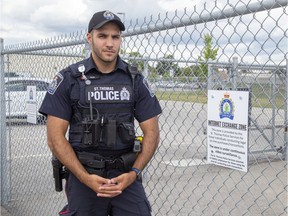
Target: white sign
227 128
31 108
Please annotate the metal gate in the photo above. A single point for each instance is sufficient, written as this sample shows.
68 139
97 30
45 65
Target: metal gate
182 55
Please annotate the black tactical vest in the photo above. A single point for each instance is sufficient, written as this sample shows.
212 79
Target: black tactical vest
103 110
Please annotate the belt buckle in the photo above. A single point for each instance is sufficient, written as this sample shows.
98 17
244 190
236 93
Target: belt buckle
111 164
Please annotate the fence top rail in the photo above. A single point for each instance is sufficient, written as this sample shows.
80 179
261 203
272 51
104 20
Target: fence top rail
42 45
158 26
209 16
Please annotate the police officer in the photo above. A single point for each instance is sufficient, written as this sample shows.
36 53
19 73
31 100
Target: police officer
97 100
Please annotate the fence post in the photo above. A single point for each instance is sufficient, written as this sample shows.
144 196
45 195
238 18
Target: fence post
234 73
4 171
210 77
274 107
286 117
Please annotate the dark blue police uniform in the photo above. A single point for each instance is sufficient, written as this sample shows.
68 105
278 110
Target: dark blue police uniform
101 109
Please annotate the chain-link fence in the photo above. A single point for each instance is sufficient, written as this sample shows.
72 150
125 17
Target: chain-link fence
183 54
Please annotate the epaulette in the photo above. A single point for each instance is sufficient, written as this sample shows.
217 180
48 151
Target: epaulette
133 70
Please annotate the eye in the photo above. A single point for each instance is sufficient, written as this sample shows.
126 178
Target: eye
101 35
116 37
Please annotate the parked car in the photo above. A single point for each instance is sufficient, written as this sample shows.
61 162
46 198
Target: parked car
16 95
17 74
174 85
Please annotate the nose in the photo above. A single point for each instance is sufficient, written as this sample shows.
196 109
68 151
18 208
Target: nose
109 42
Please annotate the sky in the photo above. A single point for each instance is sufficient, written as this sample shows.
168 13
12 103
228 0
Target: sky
25 21
29 20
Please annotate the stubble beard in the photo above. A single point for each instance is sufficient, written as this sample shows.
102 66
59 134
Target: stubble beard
101 57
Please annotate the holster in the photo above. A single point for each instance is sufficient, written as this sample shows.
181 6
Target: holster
59 173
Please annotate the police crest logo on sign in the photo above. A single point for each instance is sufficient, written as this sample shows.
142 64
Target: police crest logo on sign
55 83
226 107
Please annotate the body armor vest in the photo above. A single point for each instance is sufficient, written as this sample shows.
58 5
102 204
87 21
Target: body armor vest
103 110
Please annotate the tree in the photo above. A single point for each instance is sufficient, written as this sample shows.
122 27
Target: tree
208 53
136 62
167 66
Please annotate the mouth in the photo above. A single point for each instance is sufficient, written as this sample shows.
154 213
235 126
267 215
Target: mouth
109 51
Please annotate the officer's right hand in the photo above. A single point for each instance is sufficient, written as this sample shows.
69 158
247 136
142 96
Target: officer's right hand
96 183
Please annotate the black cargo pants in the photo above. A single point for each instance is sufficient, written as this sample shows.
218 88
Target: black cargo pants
82 201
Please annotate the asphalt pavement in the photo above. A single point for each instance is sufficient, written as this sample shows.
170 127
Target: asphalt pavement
202 188
4 212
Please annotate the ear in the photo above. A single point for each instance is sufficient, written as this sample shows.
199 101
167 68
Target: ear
89 37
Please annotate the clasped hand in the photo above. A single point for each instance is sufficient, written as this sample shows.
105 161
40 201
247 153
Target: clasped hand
111 187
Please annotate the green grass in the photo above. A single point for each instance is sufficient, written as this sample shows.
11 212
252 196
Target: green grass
196 97
259 98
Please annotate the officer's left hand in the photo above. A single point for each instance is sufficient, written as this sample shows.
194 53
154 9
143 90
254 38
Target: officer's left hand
120 183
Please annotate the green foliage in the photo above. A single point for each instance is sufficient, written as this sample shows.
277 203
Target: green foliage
152 75
136 62
188 71
208 53
166 66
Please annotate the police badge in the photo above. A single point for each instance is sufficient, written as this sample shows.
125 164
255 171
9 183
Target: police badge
124 94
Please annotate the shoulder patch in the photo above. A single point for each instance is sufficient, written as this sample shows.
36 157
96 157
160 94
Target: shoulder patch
145 82
55 83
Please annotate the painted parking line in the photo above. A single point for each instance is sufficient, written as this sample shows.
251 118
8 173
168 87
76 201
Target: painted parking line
32 156
185 162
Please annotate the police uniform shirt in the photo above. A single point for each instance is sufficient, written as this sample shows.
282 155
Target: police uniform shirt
57 101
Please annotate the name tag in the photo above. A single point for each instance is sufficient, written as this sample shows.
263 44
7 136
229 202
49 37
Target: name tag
108 93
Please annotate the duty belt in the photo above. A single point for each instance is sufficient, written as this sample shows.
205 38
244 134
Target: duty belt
97 161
